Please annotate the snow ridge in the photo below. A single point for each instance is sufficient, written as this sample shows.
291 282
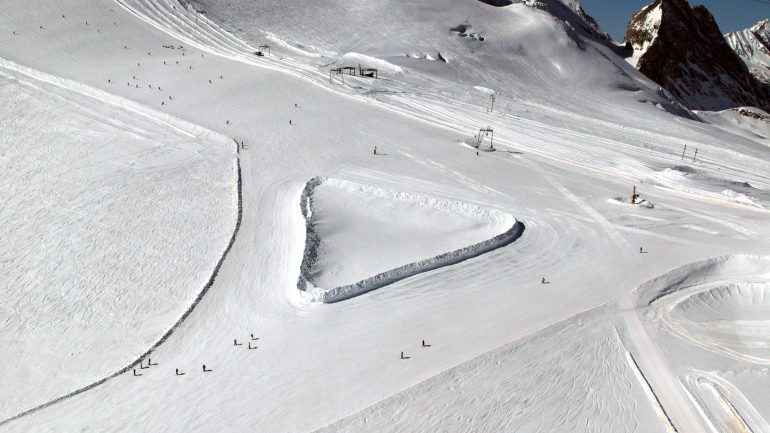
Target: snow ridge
340 293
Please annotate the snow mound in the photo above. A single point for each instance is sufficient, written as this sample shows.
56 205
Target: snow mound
692 180
626 202
355 59
361 237
720 304
748 122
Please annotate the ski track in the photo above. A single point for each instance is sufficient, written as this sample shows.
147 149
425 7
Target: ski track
719 402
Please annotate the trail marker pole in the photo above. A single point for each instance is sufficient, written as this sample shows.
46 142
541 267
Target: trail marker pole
685 150
696 154
491 105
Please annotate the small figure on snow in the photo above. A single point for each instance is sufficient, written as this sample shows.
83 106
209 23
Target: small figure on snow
542 281
178 373
375 150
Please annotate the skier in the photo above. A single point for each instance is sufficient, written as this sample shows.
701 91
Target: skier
204 369
136 374
289 122
641 250
252 335
178 373
235 343
402 355
375 150
542 281
423 343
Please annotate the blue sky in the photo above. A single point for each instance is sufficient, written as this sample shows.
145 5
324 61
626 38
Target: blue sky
613 15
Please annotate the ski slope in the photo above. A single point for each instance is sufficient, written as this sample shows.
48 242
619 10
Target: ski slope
162 239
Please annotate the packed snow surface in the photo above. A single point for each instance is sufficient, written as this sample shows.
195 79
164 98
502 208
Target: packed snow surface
133 228
102 198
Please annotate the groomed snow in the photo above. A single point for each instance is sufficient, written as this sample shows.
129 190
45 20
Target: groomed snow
112 219
575 126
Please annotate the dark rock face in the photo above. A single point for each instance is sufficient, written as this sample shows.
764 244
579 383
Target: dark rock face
682 49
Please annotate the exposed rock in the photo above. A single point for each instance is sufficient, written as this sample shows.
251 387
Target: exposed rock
682 49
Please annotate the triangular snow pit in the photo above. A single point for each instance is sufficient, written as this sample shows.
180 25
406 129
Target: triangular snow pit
362 237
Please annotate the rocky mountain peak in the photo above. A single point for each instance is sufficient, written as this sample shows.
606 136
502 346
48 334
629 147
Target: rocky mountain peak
681 48
753 47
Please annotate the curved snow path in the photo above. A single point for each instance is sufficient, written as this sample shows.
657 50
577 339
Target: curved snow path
719 402
719 304
341 293
172 122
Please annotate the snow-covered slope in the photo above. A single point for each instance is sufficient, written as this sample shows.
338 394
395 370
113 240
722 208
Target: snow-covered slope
753 47
542 48
574 126
103 199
